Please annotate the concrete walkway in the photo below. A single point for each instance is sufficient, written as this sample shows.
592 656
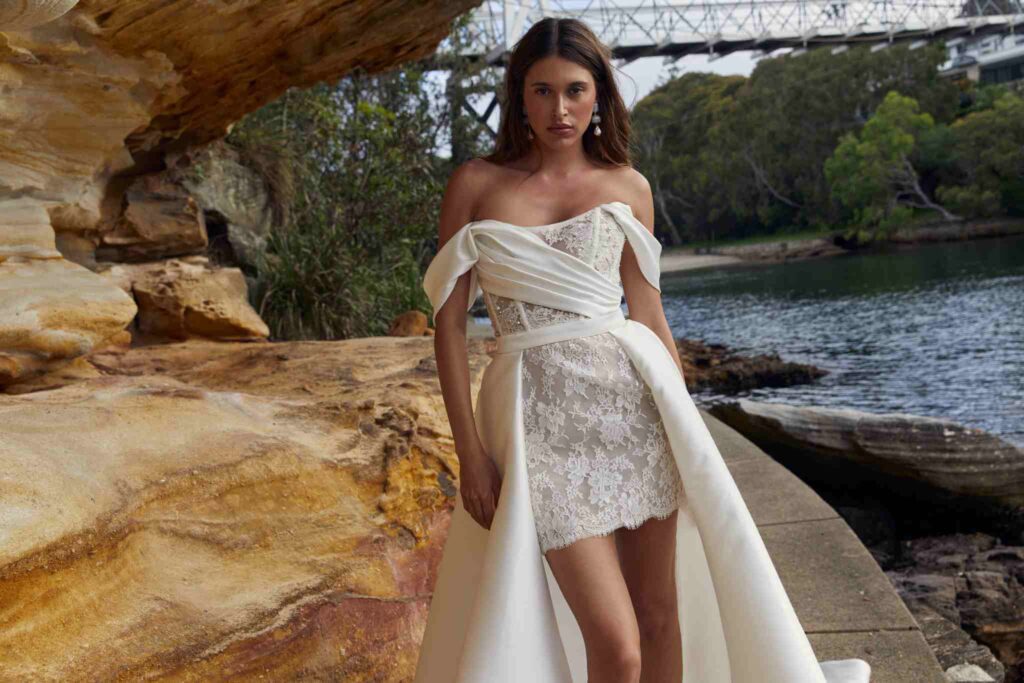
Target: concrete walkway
845 602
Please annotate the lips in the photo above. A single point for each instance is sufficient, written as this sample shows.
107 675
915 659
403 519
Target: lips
559 127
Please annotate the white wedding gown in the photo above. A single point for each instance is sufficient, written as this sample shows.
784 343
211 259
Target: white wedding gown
497 614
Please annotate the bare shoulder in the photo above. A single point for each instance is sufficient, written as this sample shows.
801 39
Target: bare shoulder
638 193
462 193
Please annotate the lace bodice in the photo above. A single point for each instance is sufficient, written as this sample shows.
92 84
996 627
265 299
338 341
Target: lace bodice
594 237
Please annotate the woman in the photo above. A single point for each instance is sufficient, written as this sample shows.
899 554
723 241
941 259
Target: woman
584 448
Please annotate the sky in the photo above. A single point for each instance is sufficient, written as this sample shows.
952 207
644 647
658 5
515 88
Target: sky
644 75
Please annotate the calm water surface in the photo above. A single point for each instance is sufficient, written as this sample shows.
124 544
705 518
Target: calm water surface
934 330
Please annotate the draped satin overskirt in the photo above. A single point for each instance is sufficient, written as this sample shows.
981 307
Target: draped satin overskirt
498 616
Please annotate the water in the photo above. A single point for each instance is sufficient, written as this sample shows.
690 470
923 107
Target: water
935 330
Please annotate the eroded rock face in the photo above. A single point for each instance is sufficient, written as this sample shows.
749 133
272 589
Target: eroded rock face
52 311
29 13
214 511
101 97
159 219
235 194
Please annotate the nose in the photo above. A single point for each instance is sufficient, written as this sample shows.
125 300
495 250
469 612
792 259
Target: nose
560 110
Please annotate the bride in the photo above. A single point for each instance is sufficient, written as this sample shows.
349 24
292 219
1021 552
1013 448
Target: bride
597 534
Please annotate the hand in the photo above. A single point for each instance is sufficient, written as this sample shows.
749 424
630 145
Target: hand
479 485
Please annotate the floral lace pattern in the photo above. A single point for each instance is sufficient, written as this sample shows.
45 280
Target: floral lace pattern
597 454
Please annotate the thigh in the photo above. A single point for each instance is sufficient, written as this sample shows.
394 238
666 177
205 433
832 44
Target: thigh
590 577
647 556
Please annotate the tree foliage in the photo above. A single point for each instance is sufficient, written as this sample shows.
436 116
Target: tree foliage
873 172
988 144
753 149
363 159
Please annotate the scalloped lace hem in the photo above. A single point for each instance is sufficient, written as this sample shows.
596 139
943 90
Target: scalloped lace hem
631 523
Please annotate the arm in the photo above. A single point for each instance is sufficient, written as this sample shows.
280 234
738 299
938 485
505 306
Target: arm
450 324
643 299
479 480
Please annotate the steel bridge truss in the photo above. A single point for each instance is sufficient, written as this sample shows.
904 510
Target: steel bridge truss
675 28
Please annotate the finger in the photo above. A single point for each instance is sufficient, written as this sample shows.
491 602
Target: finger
474 510
489 512
467 504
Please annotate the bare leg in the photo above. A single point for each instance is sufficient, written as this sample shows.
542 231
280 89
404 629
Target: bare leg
647 555
590 578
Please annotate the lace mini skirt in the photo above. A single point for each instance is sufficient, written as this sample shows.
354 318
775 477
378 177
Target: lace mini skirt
597 455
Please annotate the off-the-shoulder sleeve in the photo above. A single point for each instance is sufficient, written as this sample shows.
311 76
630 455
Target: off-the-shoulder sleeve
645 245
454 258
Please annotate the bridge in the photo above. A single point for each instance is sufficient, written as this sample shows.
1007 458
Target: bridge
671 29
675 28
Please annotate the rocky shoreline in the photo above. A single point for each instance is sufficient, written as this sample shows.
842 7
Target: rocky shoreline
838 243
940 507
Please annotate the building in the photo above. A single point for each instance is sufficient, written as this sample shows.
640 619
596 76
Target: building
996 58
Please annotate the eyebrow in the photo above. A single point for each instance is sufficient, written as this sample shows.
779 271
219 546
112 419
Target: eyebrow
546 83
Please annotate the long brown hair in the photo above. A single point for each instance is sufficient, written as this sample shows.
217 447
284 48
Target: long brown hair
573 40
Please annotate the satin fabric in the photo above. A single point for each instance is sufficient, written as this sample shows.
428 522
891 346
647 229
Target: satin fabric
497 614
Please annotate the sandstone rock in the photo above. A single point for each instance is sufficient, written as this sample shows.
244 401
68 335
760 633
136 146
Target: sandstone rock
25 231
160 219
182 298
18 16
77 249
409 324
947 458
209 510
52 311
106 92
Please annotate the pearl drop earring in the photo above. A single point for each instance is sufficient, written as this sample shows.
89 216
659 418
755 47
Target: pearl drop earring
596 119
526 122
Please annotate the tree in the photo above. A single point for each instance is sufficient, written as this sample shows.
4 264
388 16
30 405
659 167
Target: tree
735 156
872 172
672 126
988 147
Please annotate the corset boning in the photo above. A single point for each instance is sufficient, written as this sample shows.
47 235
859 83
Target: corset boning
595 238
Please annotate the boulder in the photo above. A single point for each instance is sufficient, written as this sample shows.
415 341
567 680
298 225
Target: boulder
946 459
716 367
235 199
409 324
28 13
183 298
159 219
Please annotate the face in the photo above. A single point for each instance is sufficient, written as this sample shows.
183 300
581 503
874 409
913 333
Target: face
557 92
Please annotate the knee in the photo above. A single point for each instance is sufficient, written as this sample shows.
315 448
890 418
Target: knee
657 619
618 659
624 659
